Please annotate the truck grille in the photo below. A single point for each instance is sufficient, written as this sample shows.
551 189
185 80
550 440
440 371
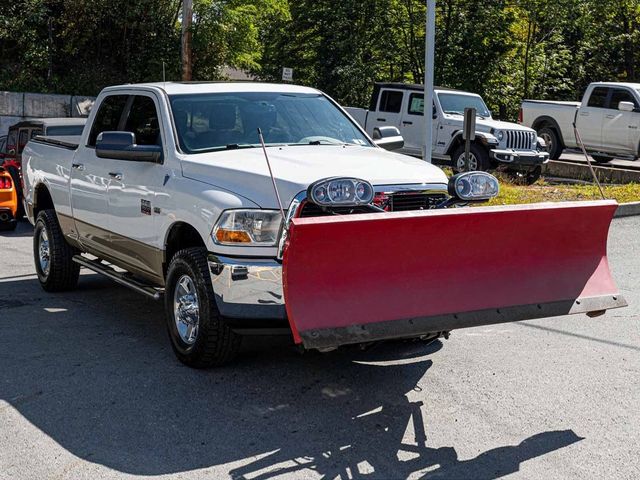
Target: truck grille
519 140
398 202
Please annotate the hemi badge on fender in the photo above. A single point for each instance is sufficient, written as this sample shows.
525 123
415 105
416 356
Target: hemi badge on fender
145 207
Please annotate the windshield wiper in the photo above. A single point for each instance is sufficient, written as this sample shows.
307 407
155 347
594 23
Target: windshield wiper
452 112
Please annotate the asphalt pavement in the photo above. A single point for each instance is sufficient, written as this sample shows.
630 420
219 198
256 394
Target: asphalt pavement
89 389
578 157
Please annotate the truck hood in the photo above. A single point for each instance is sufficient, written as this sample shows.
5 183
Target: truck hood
487 125
245 171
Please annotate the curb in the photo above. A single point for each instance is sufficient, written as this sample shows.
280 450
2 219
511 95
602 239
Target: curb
627 210
578 171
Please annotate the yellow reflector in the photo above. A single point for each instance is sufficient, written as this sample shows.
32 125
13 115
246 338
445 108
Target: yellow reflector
232 236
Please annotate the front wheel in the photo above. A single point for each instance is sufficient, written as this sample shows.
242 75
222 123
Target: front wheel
200 337
478 159
53 256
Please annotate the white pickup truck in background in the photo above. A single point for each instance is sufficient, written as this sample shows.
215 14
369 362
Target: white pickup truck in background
608 121
498 145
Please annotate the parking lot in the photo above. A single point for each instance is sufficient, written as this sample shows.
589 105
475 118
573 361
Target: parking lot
90 389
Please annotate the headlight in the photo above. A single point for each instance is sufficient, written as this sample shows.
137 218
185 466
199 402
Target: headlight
499 135
340 192
248 227
473 186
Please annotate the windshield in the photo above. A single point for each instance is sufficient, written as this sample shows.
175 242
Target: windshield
223 121
455 103
65 130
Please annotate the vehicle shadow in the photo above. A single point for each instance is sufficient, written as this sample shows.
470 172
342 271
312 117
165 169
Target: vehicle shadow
23 229
93 370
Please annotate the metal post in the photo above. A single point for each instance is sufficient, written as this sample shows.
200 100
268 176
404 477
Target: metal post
187 16
468 134
429 60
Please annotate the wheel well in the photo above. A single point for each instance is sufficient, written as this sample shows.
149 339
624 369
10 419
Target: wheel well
182 235
42 200
543 122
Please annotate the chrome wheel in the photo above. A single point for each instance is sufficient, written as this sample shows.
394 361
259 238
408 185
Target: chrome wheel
44 253
186 310
461 164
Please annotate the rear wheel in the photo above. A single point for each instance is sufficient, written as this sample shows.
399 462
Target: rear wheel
478 159
551 139
200 337
53 256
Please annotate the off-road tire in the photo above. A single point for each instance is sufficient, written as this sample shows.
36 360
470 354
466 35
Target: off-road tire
63 271
216 343
481 154
555 149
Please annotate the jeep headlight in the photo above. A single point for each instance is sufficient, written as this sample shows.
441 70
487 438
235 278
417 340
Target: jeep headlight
248 227
500 135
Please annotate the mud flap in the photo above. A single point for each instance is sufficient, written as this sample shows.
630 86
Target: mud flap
359 278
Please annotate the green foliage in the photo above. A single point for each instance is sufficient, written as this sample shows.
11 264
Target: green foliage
505 50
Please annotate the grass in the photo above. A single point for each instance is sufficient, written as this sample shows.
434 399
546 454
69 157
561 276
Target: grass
542 191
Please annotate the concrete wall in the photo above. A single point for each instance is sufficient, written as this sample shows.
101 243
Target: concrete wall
15 107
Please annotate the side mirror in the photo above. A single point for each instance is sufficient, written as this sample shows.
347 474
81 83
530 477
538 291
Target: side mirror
388 138
626 106
122 146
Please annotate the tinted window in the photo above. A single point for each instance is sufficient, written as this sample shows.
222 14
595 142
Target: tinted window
65 130
108 117
12 138
3 144
216 121
390 101
23 138
35 132
598 97
620 95
143 121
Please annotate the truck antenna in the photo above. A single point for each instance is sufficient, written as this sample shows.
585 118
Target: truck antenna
273 180
584 151
164 77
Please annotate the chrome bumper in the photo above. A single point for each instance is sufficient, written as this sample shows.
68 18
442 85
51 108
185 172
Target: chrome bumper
520 157
247 288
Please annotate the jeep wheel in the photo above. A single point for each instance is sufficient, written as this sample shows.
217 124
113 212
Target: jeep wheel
199 336
53 256
551 139
478 159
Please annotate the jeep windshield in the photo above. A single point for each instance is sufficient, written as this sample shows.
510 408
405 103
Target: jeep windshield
455 103
224 121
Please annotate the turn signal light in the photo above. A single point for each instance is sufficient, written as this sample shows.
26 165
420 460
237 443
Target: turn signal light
5 183
232 236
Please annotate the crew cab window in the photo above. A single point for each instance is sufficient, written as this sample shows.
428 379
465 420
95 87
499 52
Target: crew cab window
416 104
23 138
390 101
142 120
108 117
620 95
598 98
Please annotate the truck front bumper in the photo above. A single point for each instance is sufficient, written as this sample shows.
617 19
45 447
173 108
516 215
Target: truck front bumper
247 288
519 158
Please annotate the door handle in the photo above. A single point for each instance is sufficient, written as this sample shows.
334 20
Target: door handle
78 166
407 123
584 114
116 175
381 119
610 116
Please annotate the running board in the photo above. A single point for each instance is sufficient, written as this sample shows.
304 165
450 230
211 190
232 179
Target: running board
123 278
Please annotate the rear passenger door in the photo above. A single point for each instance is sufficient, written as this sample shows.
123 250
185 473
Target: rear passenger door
132 191
389 110
591 117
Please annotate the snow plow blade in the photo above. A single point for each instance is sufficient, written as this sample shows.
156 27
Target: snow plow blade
361 278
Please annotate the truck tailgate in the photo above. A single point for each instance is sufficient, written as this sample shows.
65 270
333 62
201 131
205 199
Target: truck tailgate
360 278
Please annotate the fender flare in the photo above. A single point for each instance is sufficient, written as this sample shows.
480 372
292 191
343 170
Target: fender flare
456 140
554 124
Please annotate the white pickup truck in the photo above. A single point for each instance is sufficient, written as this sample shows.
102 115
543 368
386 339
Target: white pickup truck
171 192
608 121
498 145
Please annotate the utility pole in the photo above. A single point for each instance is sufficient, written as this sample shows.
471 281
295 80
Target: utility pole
429 61
187 16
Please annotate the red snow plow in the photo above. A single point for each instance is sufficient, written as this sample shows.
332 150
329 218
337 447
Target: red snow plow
365 277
